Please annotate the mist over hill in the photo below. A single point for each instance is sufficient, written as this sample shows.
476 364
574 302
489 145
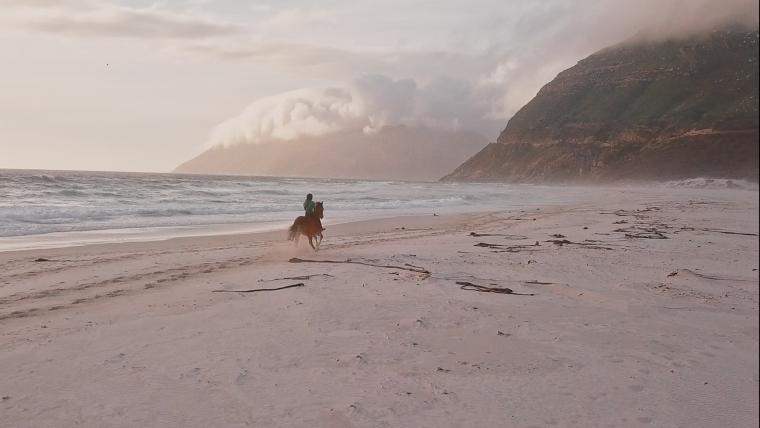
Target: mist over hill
393 152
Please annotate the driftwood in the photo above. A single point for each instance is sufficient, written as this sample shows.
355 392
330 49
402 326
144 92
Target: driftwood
590 245
407 266
420 268
297 278
727 232
300 284
710 277
642 232
645 235
625 213
507 236
507 248
465 285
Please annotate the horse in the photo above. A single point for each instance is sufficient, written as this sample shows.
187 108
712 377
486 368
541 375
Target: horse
308 225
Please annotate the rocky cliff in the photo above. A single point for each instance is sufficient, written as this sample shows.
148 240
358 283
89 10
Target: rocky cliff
393 153
640 110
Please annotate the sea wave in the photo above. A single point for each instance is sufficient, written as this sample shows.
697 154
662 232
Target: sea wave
712 183
45 202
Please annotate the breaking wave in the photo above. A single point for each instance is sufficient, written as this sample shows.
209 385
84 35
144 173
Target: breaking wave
38 203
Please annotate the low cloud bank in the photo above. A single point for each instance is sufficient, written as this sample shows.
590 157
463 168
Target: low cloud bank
368 104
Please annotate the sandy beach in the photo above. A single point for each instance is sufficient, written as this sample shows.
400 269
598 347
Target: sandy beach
640 309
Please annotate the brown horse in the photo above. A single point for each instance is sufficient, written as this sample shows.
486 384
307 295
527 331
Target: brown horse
310 226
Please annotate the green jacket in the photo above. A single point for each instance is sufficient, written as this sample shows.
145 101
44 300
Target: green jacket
309 206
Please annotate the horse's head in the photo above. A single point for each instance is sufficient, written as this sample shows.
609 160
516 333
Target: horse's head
320 210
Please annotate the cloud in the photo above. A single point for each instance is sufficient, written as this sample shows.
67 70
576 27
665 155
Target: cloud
506 52
555 38
481 91
368 104
44 3
96 19
298 18
290 115
335 63
437 64
656 20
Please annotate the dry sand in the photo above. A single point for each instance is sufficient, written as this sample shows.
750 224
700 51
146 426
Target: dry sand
621 331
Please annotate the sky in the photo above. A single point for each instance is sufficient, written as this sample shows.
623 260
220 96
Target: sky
144 85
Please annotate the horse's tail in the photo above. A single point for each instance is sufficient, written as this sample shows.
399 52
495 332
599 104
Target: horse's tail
293 231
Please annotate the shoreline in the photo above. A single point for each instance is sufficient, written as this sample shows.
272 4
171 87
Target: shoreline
637 309
269 234
53 240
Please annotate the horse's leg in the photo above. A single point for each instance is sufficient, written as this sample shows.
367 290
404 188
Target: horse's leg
298 237
312 243
319 242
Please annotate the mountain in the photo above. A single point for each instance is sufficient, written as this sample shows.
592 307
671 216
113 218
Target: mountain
640 110
394 153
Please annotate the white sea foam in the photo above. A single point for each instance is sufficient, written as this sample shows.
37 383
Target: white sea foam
35 205
712 183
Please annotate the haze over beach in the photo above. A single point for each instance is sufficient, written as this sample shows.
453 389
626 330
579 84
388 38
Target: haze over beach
379 214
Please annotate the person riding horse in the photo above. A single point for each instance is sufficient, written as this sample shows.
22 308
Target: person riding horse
310 224
309 206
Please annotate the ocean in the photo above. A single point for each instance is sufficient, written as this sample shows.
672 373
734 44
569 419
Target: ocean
40 209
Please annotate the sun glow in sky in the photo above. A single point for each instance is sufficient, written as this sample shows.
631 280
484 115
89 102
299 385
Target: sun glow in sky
143 85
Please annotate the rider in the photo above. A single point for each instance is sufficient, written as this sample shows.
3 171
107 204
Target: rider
308 205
